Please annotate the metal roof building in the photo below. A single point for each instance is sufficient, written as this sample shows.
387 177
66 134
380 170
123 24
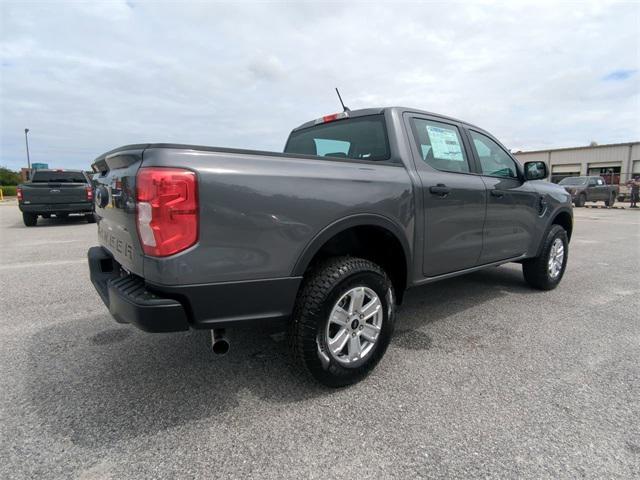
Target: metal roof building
616 162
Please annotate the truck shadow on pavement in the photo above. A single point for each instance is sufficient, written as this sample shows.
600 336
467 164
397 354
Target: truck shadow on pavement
97 383
450 299
54 222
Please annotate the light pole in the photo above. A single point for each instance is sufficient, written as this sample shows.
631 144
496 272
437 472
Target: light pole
26 141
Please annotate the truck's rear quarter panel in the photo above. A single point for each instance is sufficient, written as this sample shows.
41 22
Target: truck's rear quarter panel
259 212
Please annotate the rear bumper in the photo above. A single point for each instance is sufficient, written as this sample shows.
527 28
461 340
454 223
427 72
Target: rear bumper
84 207
161 308
129 301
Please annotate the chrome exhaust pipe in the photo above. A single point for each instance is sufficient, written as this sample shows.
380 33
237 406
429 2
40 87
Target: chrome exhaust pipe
219 343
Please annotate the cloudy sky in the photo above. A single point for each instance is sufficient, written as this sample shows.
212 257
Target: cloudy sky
86 77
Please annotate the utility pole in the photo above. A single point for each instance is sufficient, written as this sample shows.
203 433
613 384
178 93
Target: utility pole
26 141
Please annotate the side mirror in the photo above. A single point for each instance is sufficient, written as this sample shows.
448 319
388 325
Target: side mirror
535 170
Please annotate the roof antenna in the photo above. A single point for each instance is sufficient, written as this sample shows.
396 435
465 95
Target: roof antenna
344 107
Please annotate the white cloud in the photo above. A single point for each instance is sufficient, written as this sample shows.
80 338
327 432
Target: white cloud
86 77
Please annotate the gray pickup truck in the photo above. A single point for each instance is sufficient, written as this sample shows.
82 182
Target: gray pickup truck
55 192
325 237
590 189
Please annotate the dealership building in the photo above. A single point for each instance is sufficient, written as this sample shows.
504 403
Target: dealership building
616 162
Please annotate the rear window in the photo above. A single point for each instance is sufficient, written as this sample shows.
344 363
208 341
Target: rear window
363 138
58 177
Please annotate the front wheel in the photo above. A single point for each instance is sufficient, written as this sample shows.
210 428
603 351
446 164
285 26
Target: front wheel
29 219
545 271
343 320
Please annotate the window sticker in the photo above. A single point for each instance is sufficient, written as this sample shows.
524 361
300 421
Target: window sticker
445 143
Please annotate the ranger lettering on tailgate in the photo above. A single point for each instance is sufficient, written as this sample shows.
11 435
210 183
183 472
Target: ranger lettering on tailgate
116 244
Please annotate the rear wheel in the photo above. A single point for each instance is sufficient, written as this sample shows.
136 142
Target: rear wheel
90 218
343 320
545 271
611 201
581 200
29 219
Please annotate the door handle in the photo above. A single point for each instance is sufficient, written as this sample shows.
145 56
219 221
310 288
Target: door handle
440 189
497 193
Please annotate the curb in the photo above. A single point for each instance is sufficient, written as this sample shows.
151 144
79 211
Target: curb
605 207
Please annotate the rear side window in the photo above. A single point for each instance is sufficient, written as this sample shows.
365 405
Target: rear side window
58 177
361 138
440 145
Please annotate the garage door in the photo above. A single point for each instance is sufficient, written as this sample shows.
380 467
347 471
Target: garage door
566 168
605 165
560 172
609 171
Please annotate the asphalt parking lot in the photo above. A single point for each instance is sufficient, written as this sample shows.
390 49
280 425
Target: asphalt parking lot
485 377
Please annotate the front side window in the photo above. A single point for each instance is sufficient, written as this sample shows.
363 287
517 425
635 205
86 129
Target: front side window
359 138
440 145
494 161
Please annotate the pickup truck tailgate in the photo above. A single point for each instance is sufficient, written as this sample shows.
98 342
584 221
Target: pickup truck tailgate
54 193
115 199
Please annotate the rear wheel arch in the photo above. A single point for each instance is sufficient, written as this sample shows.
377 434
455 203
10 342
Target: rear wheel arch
385 245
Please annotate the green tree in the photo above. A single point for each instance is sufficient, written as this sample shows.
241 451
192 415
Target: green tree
9 177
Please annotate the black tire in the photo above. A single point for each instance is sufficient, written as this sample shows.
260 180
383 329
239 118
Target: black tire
611 201
322 289
29 219
581 200
536 270
90 218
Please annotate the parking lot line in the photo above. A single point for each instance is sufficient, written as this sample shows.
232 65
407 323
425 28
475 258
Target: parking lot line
56 263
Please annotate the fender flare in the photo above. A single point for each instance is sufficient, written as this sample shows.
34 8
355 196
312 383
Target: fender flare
551 222
357 220
557 213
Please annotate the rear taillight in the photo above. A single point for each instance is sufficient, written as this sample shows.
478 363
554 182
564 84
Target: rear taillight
167 214
19 193
89 194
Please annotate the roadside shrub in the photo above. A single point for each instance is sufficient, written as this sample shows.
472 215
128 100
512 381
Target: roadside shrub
9 191
9 177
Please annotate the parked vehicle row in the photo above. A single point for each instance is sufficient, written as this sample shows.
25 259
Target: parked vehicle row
325 237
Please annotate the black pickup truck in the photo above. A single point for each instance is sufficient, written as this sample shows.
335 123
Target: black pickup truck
55 192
